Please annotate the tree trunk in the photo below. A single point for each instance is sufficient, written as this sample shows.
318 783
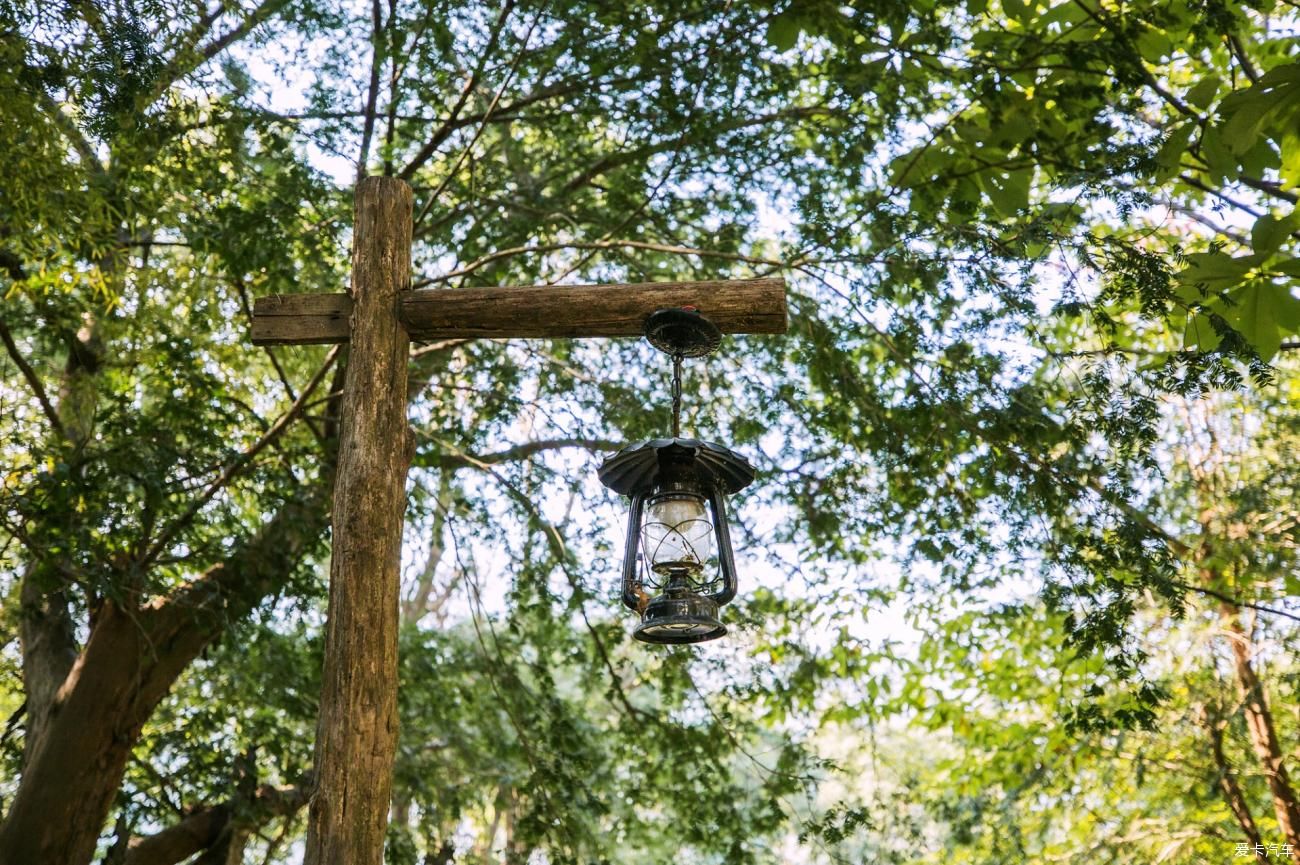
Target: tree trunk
356 734
1263 735
1232 793
46 629
130 660
49 648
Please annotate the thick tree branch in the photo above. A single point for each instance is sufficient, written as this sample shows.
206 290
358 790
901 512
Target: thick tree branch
420 603
204 828
372 93
1232 794
1263 732
255 18
202 26
49 649
130 661
189 58
1243 59
85 150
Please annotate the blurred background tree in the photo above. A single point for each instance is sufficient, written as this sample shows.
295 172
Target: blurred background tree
1020 575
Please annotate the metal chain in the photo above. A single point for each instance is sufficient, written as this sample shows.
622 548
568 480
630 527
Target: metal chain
677 395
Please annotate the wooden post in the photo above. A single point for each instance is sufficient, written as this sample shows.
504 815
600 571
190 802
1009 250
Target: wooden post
356 733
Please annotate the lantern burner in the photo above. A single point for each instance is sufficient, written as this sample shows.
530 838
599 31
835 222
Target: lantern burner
682 620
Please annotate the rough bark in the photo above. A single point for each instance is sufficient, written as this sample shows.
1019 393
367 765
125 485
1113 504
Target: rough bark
49 648
356 733
1263 733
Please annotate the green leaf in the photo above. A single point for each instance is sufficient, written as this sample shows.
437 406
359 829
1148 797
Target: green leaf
1204 92
1291 583
1218 155
783 30
1269 232
1016 125
1154 46
1020 10
1289 266
1260 158
1009 192
1289 172
1241 129
1215 271
1070 12
1170 155
1199 334
1261 311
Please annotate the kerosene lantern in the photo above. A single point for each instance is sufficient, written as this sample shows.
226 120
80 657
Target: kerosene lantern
678 568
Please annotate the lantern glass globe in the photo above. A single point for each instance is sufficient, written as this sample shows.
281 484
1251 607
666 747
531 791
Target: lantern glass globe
677 535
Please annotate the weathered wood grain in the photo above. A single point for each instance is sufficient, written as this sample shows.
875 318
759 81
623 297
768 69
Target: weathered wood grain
356 732
536 311
301 319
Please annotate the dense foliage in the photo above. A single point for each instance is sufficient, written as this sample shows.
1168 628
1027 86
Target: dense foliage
1019 563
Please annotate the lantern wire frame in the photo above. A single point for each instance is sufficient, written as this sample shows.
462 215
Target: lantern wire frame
680 547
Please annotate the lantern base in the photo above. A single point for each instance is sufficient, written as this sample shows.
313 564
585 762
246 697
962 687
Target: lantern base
680 621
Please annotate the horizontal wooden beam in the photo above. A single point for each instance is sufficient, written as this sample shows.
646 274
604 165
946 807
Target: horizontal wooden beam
301 319
535 311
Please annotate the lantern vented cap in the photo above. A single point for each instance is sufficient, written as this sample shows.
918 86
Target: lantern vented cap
644 465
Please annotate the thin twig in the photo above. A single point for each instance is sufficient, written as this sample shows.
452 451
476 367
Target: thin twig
459 459
229 473
601 244
449 125
33 380
1236 602
434 347
1204 187
372 93
487 114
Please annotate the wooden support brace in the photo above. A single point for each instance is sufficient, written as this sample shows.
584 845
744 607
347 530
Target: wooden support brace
536 311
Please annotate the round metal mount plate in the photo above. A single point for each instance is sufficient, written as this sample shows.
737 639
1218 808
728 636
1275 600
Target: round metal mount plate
682 332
